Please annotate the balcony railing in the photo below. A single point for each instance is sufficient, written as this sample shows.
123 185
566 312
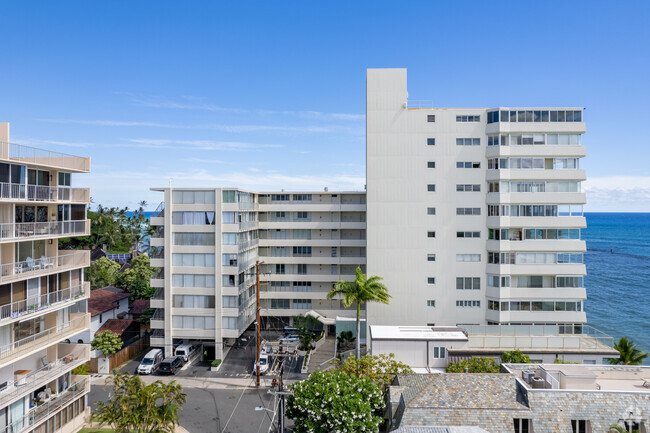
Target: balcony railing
158 333
15 191
159 314
28 154
44 265
160 210
46 374
47 409
44 338
159 294
41 302
43 229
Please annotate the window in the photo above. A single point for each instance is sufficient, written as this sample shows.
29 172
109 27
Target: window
194 301
229 260
468 188
522 425
498 280
229 196
196 322
301 234
193 197
431 303
492 116
431 118
228 218
279 268
302 251
468 304
468 118
468 211
431 164
580 426
468 257
439 352
280 197
431 280
193 280
229 238
302 215
281 304
302 304
431 141
201 239
431 257
301 269
229 322
431 188
431 211
64 179
468 283
468 164
468 234
302 197
431 234
468 142
302 286
189 259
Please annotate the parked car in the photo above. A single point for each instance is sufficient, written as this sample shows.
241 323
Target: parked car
171 365
151 362
264 364
289 339
186 351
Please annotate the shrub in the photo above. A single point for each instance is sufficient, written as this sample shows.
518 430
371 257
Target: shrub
474 365
82 370
562 361
216 363
381 369
108 342
515 357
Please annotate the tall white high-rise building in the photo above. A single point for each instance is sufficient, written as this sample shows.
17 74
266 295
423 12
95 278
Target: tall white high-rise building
473 215
43 296
207 244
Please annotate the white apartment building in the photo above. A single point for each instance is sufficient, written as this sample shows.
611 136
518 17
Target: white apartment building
473 215
209 240
43 296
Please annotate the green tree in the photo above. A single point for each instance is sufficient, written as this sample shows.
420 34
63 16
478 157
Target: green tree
136 408
360 291
562 361
628 353
474 365
147 314
380 369
102 273
135 279
108 342
331 401
305 327
617 428
515 357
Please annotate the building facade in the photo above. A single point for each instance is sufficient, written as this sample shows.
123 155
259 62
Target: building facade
208 242
42 290
473 215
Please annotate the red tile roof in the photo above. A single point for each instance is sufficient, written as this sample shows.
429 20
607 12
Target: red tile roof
118 326
102 300
139 306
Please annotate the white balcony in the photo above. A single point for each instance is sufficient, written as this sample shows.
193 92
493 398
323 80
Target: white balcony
541 175
542 245
46 158
41 304
69 356
44 230
44 266
37 415
536 316
19 349
525 293
566 222
548 151
37 193
536 197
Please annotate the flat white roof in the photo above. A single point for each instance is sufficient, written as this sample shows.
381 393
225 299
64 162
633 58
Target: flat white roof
381 332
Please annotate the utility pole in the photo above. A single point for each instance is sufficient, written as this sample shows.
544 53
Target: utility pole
257 296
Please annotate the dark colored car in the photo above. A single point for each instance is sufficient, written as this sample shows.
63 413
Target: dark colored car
170 365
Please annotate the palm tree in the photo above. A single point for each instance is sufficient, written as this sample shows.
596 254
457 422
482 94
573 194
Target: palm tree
629 354
361 290
617 428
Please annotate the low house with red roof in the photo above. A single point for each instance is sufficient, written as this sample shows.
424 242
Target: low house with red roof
104 304
127 329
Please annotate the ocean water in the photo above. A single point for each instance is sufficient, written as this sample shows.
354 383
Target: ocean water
618 275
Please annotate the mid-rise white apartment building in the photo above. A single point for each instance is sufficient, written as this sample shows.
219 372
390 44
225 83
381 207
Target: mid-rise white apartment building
474 215
43 296
209 240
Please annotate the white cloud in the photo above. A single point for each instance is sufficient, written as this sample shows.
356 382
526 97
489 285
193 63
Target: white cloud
37 143
197 144
617 193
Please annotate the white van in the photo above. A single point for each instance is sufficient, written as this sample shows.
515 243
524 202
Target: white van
151 362
186 351
264 364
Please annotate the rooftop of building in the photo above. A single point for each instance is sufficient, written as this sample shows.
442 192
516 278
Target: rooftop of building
439 429
281 191
105 299
582 377
458 391
117 326
139 306
438 333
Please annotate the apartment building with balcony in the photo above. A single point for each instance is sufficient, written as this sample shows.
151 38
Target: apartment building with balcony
474 216
43 296
208 242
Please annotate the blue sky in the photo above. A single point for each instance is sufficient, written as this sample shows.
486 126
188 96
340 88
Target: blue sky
267 95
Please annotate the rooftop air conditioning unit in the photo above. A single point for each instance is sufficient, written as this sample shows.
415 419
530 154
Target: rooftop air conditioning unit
527 375
538 382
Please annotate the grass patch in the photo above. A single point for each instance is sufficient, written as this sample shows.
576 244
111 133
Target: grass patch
96 430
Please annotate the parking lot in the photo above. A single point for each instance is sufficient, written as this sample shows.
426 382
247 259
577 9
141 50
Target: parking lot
239 361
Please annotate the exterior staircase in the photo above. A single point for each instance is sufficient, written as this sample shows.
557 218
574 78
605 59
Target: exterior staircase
324 353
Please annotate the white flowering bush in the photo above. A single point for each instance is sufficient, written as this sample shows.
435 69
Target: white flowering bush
332 401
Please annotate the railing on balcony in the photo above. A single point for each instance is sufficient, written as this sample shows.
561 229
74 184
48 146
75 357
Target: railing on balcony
44 338
48 408
159 294
159 232
160 210
26 230
27 154
45 374
40 302
158 274
157 253
158 333
14 191
159 314
31 266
